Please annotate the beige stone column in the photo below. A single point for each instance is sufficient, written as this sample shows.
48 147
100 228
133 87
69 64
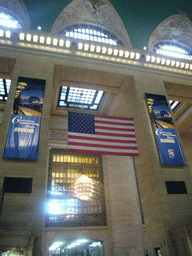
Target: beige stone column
123 217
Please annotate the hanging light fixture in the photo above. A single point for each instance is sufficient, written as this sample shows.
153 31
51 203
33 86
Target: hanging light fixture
84 187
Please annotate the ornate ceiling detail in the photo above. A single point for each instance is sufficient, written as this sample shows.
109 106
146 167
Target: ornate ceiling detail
176 28
100 13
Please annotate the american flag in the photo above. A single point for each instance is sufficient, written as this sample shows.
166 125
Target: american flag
105 135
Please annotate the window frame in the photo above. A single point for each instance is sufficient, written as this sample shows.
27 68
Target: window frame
84 215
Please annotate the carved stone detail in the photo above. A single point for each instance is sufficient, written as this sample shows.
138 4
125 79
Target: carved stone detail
176 28
101 13
57 135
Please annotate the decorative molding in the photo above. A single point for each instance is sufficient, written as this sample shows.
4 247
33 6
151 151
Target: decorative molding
59 136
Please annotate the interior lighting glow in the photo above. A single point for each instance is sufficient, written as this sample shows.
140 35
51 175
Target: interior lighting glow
158 60
86 47
104 49
182 65
153 59
177 64
80 46
173 48
121 53
61 42
21 36
190 66
92 48
132 55
94 244
68 43
173 51
28 37
148 58
172 63
39 27
55 246
137 56
42 39
35 38
1 32
8 34
110 51
168 62
48 40
115 52
65 206
55 41
81 241
98 48
163 61
84 187
187 65
126 54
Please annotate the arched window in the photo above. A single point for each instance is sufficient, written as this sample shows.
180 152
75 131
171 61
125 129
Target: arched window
8 21
174 50
91 33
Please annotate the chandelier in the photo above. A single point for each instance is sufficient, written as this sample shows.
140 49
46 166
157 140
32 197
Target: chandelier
84 187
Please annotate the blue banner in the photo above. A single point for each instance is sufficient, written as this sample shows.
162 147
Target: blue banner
169 146
167 140
23 137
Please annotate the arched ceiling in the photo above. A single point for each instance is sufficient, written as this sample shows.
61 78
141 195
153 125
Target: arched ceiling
140 17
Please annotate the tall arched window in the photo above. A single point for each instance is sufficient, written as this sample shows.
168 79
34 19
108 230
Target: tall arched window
91 33
174 50
8 21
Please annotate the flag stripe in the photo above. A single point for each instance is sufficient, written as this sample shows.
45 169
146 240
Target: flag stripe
113 118
106 145
97 127
113 123
88 151
103 149
116 133
101 135
100 138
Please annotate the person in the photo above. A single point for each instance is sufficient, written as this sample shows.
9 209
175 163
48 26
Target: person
147 254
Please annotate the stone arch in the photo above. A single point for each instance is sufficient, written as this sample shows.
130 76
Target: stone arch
17 10
100 13
176 28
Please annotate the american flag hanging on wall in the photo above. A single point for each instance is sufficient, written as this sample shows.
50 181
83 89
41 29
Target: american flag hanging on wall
104 135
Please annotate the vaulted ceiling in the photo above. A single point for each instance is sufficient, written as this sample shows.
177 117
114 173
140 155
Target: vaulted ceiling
139 17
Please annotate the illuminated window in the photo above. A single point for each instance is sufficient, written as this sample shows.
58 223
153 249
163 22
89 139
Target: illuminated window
72 97
174 50
82 246
8 21
173 104
4 88
75 190
91 33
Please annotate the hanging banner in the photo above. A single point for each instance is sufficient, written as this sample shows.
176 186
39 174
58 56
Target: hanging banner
24 128
23 137
167 140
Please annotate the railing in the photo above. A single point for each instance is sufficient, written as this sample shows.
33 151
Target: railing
29 39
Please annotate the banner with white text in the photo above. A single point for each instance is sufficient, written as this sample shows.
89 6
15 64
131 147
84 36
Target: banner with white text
24 128
167 140
23 137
